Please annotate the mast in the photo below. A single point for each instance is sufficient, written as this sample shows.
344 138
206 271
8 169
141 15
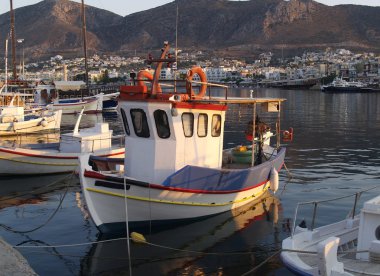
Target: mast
84 35
13 37
6 65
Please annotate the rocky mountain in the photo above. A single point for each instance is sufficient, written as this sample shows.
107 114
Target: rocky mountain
226 27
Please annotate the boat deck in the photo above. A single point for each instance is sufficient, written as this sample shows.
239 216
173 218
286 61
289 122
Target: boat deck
351 264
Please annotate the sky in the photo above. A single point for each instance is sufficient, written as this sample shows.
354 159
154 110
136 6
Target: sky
125 7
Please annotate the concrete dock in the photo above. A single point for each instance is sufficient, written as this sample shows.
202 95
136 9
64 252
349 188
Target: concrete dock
12 262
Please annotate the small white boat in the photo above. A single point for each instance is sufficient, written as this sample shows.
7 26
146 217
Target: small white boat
345 248
75 105
59 157
176 168
14 121
71 97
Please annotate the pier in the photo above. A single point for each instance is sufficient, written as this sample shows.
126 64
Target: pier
12 262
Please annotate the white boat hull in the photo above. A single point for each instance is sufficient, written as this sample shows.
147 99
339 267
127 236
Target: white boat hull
45 123
20 161
106 198
89 105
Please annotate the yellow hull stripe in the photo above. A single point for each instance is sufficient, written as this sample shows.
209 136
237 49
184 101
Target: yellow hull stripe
266 187
39 163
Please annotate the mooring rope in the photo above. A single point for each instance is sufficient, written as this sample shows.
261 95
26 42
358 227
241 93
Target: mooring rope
261 264
10 229
33 191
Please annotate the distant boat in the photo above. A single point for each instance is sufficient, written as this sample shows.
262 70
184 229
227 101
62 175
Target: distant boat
348 247
289 83
38 159
341 85
176 168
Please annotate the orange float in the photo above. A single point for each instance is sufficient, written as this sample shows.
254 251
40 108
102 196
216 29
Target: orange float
190 74
143 74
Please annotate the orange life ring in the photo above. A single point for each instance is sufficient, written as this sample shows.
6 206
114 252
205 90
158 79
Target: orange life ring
190 74
143 74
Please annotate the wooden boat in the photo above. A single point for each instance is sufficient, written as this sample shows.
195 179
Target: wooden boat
62 157
16 120
176 168
347 247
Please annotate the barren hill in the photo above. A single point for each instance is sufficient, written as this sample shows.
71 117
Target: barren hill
229 27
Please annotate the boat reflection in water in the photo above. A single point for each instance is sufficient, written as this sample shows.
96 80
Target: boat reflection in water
227 239
15 191
25 139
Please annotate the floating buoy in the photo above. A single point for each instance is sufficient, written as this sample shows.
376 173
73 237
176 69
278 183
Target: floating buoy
137 237
287 135
273 180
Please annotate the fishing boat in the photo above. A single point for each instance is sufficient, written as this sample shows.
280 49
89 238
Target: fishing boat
62 157
347 247
176 168
16 120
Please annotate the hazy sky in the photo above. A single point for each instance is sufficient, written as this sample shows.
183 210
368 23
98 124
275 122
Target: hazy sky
124 7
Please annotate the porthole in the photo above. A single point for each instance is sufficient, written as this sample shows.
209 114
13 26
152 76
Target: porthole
377 233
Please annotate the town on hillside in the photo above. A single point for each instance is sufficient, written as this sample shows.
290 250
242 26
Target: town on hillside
312 69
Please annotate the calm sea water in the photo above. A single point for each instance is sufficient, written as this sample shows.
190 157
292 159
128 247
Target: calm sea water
335 152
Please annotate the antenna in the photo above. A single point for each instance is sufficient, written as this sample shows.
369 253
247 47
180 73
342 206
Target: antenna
176 49
6 65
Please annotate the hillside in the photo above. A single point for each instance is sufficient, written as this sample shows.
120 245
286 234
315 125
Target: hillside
227 27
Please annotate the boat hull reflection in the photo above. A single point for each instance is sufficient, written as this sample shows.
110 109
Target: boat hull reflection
175 248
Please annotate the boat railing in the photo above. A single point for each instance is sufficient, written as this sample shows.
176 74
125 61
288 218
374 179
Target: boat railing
316 204
119 141
210 85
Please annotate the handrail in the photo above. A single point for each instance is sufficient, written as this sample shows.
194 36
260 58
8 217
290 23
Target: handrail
315 203
210 84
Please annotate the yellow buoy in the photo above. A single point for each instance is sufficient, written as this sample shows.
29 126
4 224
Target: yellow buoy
137 237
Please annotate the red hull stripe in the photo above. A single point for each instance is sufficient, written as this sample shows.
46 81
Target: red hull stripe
96 175
53 157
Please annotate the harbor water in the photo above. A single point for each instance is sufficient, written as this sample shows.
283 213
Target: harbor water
335 152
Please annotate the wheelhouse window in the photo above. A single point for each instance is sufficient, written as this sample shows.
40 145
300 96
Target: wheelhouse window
140 123
188 124
162 124
216 125
125 122
202 125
